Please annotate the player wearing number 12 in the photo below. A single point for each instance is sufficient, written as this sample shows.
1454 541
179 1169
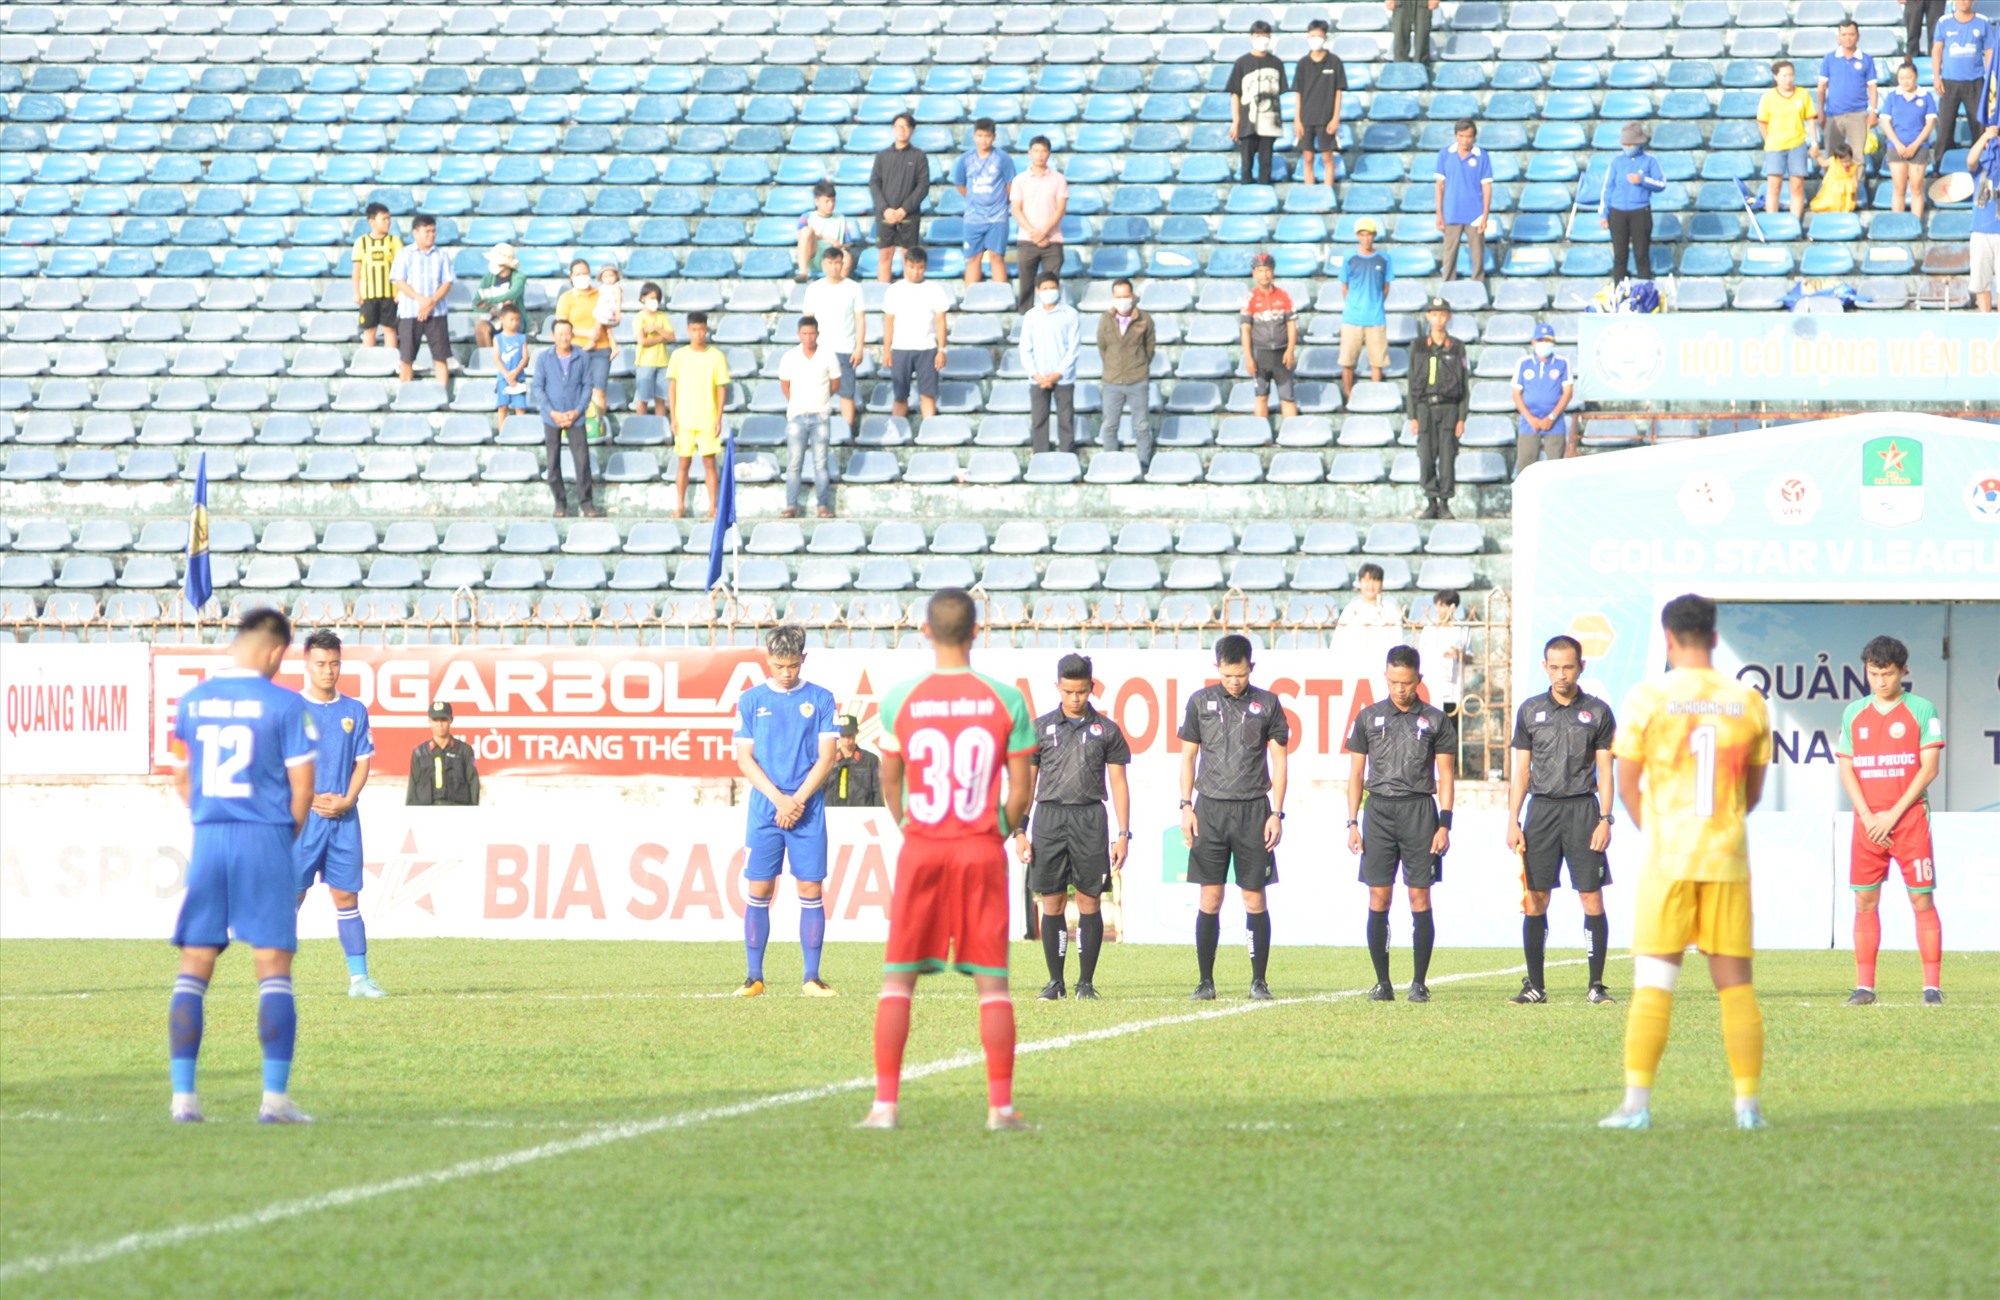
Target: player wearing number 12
1888 756
1691 750
245 749
946 738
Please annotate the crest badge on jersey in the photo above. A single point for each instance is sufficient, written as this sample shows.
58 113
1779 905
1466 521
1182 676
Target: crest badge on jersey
1096 729
1583 716
1256 708
805 709
1895 731
347 725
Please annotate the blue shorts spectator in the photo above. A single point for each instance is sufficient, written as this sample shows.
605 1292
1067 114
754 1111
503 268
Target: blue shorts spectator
1785 162
917 365
649 384
847 379
509 401
991 238
599 361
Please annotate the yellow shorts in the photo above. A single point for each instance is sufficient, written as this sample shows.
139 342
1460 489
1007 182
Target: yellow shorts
1713 915
697 442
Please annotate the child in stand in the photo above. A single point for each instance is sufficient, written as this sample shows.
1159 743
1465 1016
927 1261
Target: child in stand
655 331
610 311
1837 189
510 357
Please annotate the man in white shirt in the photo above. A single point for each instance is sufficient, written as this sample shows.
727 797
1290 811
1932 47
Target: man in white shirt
809 376
913 333
1371 625
839 306
1441 646
1051 341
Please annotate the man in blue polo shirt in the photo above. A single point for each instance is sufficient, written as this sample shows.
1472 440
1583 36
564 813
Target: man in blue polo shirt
1364 319
983 174
1848 97
1961 54
1464 198
1542 389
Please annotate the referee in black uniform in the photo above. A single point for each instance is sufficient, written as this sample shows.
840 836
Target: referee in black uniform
1406 756
1233 739
1079 751
1566 736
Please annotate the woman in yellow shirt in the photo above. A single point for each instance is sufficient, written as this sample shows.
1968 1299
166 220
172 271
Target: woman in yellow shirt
578 306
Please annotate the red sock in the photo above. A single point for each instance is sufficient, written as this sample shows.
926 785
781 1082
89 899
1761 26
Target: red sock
1867 942
892 1031
1930 945
996 1035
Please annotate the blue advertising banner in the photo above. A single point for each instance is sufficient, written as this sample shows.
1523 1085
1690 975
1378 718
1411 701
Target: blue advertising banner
1695 357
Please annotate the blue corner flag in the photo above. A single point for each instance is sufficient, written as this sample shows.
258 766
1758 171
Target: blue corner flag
725 512
198 587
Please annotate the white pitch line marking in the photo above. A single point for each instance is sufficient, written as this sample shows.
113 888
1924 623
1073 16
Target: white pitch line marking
279 1211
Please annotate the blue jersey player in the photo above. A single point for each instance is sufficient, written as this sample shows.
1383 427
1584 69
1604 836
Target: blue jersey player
330 847
246 749
785 733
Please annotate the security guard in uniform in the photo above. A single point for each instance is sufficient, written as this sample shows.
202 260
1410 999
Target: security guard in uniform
1233 739
1440 395
441 769
856 779
1566 737
1067 842
1406 756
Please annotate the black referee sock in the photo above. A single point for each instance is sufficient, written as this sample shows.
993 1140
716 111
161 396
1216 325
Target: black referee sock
1534 945
1422 935
1259 925
1207 934
1600 939
1090 939
1378 945
1054 931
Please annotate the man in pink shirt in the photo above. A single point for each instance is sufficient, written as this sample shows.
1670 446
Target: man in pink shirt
1039 197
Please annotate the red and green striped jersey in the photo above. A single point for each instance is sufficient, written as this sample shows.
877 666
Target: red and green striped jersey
955 729
1886 742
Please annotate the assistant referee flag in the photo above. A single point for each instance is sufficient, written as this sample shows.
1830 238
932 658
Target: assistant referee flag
725 511
198 586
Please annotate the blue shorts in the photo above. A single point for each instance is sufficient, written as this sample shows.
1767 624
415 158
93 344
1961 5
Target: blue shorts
330 850
240 885
1785 162
649 384
769 849
512 401
986 239
599 363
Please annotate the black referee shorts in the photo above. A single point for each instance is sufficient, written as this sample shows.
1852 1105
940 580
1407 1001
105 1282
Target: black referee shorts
1072 845
1232 831
1558 831
1397 832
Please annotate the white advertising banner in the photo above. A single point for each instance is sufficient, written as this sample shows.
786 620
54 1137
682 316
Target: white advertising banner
110 861
74 710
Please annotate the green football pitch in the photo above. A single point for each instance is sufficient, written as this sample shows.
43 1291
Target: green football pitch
557 1119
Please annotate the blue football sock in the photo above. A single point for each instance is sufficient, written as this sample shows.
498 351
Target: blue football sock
353 940
812 932
756 934
184 1030
277 1029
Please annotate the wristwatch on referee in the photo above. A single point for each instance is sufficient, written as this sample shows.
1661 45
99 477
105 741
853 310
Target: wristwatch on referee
1608 819
1187 803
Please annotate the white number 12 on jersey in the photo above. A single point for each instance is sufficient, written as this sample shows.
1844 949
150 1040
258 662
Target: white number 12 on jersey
225 752
1701 743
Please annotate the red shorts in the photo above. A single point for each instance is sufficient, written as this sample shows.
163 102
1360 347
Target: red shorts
950 908
1909 845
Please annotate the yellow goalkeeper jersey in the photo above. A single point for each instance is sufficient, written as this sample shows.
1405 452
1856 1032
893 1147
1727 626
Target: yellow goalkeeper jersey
1697 733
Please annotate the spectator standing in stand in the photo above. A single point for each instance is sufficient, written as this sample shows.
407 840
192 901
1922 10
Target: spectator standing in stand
1543 388
984 177
1051 341
1364 315
1410 37
1909 122
1440 391
1319 80
899 183
1270 330
1849 97
1126 341
1464 197
1961 55
1626 206
1039 198
1256 104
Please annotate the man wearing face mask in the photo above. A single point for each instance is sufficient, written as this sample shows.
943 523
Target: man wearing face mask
1410 39
1440 391
1542 390
1319 80
1626 205
1051 337
1256 96
1126 342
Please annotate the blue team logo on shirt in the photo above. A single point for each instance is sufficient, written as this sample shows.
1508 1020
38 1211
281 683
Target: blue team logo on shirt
806 709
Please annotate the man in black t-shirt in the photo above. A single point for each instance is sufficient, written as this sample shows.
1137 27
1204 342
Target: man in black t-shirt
1067 842
1256 102
1319 81
856 779
1406 757
1233 739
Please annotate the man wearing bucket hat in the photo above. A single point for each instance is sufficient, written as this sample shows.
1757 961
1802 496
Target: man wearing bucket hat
502 285
442 770
1440 391
1542 391
1626 205
1364 319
